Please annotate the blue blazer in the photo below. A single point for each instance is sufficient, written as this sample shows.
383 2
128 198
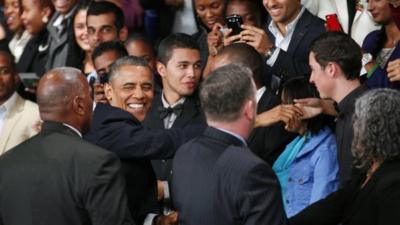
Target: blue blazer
294 62
379 78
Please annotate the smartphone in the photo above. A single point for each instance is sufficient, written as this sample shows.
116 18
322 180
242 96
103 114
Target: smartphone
234 22
332 23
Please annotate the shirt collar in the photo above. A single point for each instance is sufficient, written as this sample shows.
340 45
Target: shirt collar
260 93
347 103
10 101
61 17
289 28
233 134
166 104
74 129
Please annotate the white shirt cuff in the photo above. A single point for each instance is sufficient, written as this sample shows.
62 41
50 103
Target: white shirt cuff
166 189
149 219
271 61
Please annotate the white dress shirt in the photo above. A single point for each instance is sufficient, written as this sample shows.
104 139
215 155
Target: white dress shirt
4 108
282 42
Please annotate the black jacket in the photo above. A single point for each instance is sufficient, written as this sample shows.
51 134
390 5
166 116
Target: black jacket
57 178
377 203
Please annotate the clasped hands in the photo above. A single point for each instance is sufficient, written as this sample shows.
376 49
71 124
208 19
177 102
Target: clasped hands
292 114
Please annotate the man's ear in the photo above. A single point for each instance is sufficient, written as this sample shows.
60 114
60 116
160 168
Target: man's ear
331 69
108 91
161 69
123 34
78 105
249 110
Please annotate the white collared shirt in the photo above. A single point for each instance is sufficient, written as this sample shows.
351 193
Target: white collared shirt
233 134
260 93
5 108
170 119
74 129
282 42
18 43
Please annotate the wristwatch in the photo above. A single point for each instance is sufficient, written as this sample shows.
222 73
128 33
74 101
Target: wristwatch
270 52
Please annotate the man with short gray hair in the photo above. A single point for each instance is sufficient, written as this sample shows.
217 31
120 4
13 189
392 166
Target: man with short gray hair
216 178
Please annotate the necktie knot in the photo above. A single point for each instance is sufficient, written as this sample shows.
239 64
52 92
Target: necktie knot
164 112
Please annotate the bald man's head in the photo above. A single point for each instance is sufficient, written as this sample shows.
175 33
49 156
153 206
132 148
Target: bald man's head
241 53
63 96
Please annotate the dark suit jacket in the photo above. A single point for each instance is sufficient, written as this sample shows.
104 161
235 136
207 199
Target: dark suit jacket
294 62
141 184
130 140
63 49
191 114
217 180
35 55
57 178
377 203
269 142
120 132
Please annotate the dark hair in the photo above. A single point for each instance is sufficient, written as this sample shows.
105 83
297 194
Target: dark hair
198 20
340 48
172 42
46 3
107 46
245 54
297 88
104 7
80 53
139 36
6 52
225 91
254 6
126 60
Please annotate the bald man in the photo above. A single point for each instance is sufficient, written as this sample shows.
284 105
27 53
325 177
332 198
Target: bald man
56 177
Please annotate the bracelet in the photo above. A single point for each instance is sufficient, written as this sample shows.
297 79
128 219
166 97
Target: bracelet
372 70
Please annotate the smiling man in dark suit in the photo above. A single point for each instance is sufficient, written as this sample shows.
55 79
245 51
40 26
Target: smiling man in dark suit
178 105
56 177
216 178
289 30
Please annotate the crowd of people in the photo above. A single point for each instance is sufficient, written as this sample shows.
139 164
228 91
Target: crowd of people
160 112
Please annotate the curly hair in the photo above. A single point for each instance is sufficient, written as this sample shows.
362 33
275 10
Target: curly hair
376 125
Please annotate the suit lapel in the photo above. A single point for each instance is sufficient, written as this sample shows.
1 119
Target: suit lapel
11 119
190 110
49 127
153 120
221 137
300 30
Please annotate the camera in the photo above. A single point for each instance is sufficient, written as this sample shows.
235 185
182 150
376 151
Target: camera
234 22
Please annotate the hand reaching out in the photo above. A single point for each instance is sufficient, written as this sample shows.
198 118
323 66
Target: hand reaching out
289 114
312 107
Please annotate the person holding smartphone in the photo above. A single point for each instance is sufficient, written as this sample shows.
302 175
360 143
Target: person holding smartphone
285 44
